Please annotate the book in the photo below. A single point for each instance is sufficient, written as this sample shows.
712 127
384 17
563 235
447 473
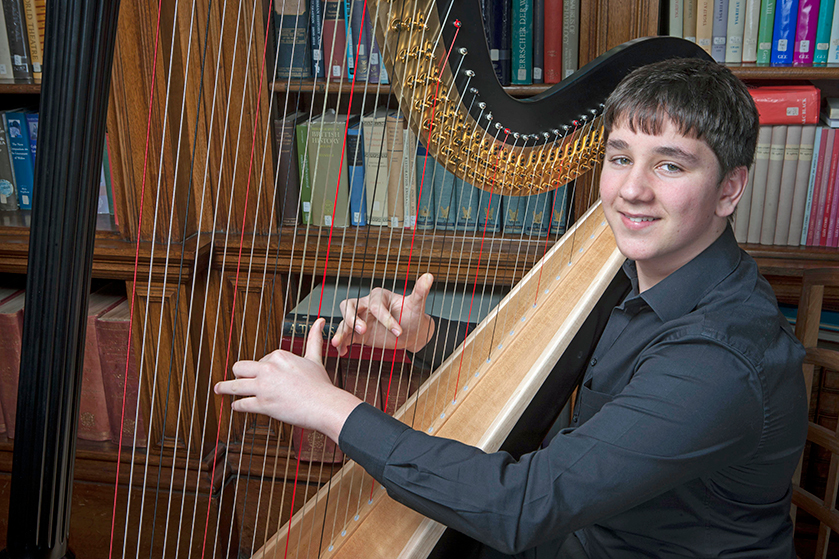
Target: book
515 210
35 13
522 42
792 104
553 41
497 14
818 152
301 133
805 32
760 171
18 40
741 213
328 169
409 169
824 22
820 189
751 24
831 203
294 54
17 138
786 193
445 198
675 27
773 186
355 170
6 73
94 424
377 72
32 127
734 31
831 109
538 41
425 188
116 357
833 49
376 166
358 39
537 220
489 212
288 176
559 212
8 191
802 181
334 39
719 30
570 37
705 24
783 34
468 205
315 38
689 20
11 324
764 33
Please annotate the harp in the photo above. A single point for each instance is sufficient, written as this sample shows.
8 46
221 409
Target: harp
187 253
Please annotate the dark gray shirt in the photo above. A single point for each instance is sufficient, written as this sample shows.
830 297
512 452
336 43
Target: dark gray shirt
688 427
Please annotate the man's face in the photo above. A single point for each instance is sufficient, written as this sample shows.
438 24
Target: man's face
663 199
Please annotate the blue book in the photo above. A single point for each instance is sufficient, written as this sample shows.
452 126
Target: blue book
17 136
783 34
537 220
497 26
719 30
514 208
32 124
425 188
445 201
294 56
823 32
559 213
489 218
315 26
355 170
468 202
356 26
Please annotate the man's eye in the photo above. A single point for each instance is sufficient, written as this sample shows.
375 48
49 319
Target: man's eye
671 168
620 160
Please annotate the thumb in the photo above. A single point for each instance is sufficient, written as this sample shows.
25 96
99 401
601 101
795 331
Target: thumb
314 344
421 290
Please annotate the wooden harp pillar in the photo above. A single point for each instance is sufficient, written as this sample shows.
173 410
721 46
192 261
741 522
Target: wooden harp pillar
79 49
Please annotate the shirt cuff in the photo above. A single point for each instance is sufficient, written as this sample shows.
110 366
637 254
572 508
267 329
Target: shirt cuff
368 437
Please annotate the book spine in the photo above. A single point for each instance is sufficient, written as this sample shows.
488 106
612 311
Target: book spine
445 198
787 105
705 24
32 127
6 73
489 212
735 31
334 40
773 184
802 179
360 45
750 29
18 41
719 30
538 41
288 180
35 12
93 412
294 56
765 30
302 133
11 324
355 168
741 214
816 217
833 52
829 214
783 34
8 191
514 208
787 191
468 203
825 142
537 220
761 170
17 137
506 32
825 20
811 186
315 26
676 21
570 37
553 41
395 191
522 37
559 212
409 168
330 190
805 33
425 188
347 12
689 28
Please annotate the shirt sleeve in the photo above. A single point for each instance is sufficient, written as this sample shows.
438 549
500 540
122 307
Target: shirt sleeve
691 407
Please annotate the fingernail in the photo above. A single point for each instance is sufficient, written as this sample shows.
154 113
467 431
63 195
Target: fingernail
396 332
358 328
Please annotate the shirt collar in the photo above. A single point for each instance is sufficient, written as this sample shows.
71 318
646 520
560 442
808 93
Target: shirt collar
680 292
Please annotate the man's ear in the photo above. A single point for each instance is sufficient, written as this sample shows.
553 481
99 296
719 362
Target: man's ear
731 190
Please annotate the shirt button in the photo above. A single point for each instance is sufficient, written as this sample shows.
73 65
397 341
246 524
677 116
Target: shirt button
593 361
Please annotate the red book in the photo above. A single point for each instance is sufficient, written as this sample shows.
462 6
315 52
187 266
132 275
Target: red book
831 190
819 191
793 104
11 325
112 337
334 40
6 293
553 41
94 424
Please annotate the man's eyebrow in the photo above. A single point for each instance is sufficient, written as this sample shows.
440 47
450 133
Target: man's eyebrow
616 144
670 151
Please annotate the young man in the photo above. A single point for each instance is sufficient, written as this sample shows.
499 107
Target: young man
691 415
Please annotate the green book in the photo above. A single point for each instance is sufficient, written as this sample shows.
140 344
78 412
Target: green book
303 166
329 186
825 20
764 31
522 41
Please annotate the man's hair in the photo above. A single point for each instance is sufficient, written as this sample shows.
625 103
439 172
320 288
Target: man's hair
703 99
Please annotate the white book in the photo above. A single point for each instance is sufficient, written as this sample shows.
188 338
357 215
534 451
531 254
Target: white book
736 27
773 185
409 171
676 19
744 206
750 29
689 22
6 74
761 169
789 172
802 181
376 167
833 52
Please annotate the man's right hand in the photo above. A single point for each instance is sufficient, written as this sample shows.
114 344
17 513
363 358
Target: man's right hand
374 320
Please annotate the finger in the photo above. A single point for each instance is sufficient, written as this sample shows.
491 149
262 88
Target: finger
246 369
238 387
314 345
343 337
421 290
349 311
379 307
246 405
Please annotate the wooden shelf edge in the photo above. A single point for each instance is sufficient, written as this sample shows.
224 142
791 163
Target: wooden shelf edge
26 88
